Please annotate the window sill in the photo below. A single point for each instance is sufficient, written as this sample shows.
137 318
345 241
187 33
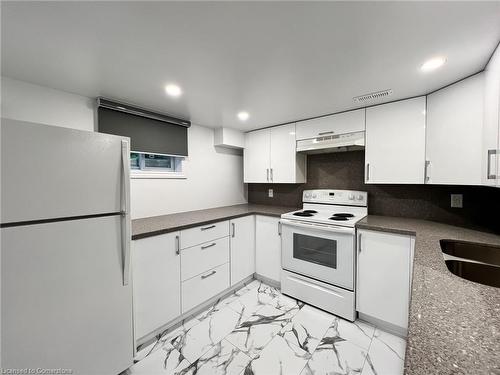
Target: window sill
136 174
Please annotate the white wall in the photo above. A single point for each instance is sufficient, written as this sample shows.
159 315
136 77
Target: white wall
214 175
27 102
214 178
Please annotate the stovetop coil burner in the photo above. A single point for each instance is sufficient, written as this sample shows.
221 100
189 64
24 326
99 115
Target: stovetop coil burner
343 214
303 214
339 218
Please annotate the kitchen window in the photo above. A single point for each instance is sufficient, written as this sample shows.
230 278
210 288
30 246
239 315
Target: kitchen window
147 165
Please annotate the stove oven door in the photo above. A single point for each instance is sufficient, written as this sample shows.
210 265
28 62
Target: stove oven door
322 252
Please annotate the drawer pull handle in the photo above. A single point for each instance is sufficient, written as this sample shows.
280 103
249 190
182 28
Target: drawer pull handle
210 274
325 133
207 246
209 227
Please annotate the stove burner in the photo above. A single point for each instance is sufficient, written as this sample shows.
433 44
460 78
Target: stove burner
303 213
310 211
339 218
343 214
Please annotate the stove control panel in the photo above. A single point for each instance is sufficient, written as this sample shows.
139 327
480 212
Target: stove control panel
329 196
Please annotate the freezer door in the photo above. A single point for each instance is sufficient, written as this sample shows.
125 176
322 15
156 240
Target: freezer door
53 172
63 300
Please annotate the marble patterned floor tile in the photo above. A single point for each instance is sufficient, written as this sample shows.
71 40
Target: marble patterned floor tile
307 328
335 355
166 360
254 299
203 336
278 357
386 355
253 334
165 339
285 302
359 332
222 359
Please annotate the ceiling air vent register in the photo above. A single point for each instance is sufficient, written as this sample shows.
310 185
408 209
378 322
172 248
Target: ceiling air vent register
374 96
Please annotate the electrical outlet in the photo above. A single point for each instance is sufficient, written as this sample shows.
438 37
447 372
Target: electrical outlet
270 193
457 200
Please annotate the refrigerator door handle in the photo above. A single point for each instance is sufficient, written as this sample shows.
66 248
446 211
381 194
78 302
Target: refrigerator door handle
125 213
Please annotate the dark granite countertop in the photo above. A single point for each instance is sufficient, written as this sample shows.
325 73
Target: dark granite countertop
155 225
454 324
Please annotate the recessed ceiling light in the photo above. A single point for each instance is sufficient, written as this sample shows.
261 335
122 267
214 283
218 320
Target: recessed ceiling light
243 116
173 90
432 64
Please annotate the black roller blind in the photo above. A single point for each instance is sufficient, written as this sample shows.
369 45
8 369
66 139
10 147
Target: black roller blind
146 134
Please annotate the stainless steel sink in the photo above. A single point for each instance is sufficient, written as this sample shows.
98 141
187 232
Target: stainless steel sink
473 261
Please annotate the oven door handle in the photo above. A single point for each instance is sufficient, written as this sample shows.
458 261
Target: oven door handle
328 228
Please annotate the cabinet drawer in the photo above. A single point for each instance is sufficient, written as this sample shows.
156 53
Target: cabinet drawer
203 257
204 233
202 287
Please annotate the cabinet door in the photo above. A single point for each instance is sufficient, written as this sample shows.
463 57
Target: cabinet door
156 282
267 247
491 131
284 157
346 122
242 248
256 156
454 133
395 142
383 277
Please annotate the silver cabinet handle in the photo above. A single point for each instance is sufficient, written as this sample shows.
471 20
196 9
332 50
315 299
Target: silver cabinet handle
324 133
125 213
233 230
210 274
177 245
367 171
279 228
489 175
359 242
209 227
271 175
427 173
267 172
207 246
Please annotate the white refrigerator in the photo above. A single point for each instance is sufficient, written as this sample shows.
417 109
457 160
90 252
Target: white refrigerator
66 299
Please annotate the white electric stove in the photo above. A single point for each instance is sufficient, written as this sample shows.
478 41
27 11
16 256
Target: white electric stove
318 249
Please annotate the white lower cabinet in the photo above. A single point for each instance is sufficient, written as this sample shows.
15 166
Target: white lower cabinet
242 242
156 272
383 288
268 247
202 287
199 258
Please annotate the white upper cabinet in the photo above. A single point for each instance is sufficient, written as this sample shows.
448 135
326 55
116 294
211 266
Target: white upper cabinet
395 142
491 131
256 156
287 166
454 140
270 156
341 123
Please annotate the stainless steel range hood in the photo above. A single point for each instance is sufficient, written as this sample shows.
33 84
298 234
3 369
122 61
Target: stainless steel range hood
332 143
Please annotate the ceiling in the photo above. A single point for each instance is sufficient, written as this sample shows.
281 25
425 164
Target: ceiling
280 61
